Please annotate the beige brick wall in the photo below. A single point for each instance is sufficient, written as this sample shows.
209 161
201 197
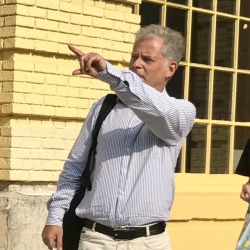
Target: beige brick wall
42 106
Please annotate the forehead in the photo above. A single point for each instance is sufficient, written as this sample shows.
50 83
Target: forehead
152 44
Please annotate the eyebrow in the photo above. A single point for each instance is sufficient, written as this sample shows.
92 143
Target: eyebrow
142 55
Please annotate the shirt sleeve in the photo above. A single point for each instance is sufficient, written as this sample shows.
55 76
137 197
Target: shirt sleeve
69 179
243 167
168 118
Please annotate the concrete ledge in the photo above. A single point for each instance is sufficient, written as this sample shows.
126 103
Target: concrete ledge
22 218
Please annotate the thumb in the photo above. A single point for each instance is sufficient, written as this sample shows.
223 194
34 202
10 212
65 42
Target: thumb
77 72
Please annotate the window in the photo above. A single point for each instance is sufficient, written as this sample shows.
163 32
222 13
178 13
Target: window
214 74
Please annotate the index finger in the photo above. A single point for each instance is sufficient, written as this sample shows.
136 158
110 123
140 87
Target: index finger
76 51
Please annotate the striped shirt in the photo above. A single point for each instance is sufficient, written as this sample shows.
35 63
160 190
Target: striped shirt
138 146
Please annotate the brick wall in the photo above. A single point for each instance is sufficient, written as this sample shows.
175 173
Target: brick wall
42 106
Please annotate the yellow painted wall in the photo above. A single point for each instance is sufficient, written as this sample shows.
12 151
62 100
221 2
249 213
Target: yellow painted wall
42 104
42 108
207 213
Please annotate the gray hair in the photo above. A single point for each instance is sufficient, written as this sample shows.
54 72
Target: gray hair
173 44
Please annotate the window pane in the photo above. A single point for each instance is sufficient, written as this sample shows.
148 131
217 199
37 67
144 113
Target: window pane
224 42
222 96
219 150
242 98
184 2
242 134
150 13
198 92
245 8
226 6
196 150
174 14
203 4
201 38
244 45
175 86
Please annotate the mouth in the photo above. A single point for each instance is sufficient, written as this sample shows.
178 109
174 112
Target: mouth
138 74
141 76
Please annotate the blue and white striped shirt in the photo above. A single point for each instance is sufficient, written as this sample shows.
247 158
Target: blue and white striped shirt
138 145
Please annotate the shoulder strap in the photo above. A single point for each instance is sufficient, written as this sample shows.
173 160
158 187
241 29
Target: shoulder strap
107 105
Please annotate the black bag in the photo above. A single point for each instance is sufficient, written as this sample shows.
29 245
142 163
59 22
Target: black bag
72 224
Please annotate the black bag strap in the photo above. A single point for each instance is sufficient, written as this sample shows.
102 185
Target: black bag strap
107 105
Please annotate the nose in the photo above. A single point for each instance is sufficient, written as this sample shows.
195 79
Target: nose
137 62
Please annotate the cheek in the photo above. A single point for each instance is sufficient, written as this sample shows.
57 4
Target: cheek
130 64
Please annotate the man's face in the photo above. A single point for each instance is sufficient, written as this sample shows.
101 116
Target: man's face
147 62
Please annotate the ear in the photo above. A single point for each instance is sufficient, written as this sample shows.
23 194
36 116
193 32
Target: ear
171 68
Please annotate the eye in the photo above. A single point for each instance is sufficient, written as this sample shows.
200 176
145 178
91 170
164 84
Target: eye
134 57
147 59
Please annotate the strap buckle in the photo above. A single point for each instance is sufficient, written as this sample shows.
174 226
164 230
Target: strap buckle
125 232
122 228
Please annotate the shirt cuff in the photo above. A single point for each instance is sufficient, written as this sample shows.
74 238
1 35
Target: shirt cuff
55 216
118 79
111 75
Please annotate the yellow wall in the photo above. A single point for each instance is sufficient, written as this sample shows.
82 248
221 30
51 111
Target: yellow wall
42 105
207 213
42 108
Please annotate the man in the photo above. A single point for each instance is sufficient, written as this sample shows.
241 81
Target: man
138 146
243 168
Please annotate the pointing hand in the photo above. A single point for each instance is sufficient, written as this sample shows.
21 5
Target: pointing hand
90 64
